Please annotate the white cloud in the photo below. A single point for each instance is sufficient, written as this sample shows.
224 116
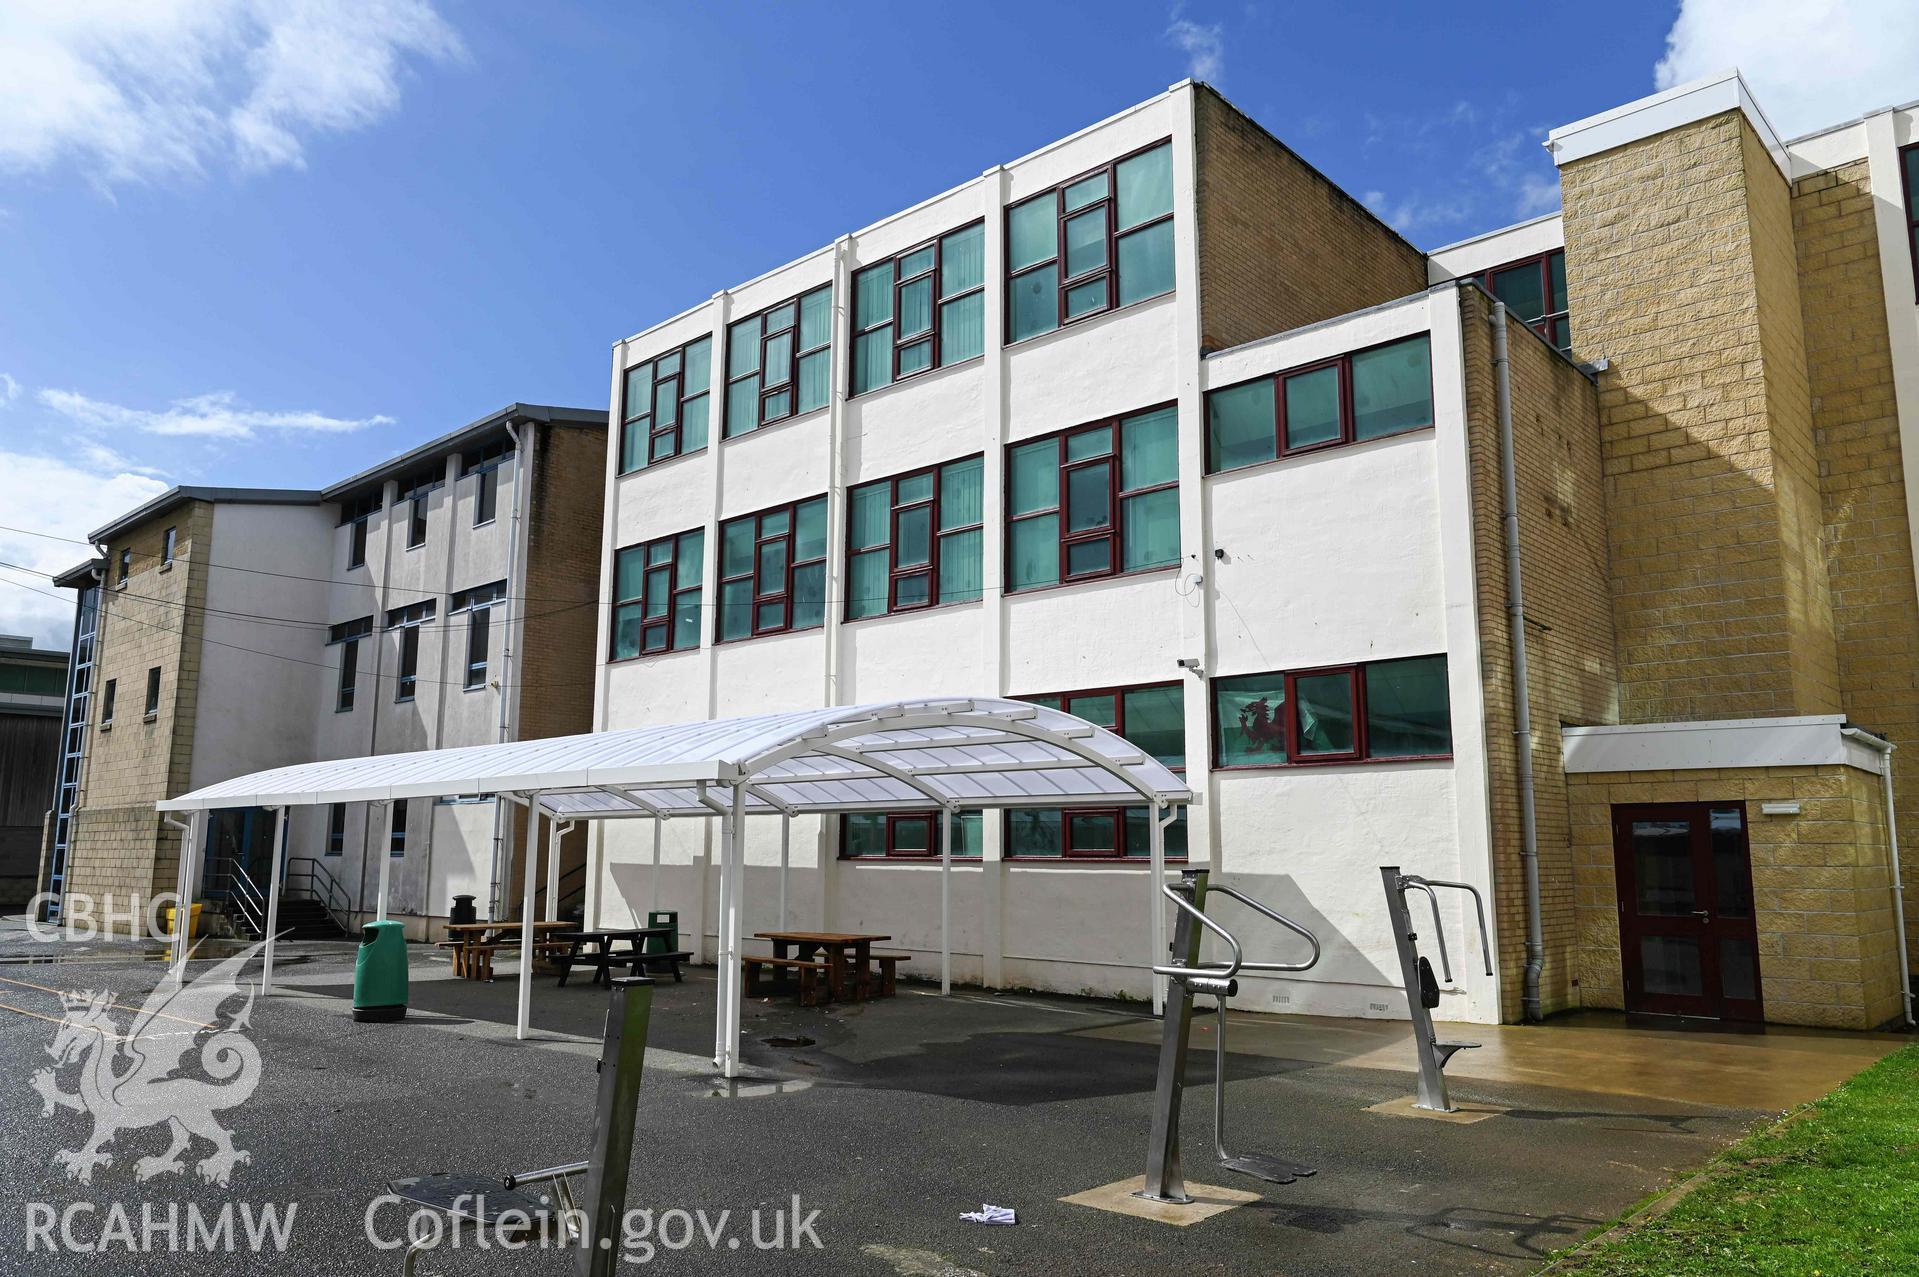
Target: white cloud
220 415
1204 46
9 390
1811 63
142 90
59 499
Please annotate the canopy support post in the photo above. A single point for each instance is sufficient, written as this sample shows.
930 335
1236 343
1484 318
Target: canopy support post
190 837
786 845
523 1024
733 871
273 897
552 910
946 901
1162 816
653 879
386 862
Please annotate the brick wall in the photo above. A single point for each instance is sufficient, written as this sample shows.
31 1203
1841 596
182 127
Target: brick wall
1279 245
1856 436
1821 887
556 662
1678 251
1571 668
119 846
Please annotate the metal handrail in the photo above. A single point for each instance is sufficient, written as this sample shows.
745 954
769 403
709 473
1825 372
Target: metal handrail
1282 920
334 898
1479 908
1224 973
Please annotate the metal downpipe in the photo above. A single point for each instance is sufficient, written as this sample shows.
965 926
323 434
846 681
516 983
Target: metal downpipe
1522 697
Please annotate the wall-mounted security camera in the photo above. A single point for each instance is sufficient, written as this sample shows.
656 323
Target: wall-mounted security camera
1188 663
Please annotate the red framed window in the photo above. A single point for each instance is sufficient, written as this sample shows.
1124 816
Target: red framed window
773 571
1534 290
1094 501
779 363
665 405
1091 245
910 835
923 309
1371 711
1151 716
1359 396
913 541
1909 170
657 595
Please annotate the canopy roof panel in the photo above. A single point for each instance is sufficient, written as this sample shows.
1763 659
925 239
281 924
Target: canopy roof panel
959 752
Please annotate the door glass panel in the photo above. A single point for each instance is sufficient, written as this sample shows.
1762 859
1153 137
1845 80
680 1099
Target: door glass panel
1731 876
1662 868
1670 966
1738 968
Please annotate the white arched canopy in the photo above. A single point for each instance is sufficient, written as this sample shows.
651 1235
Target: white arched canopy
944 754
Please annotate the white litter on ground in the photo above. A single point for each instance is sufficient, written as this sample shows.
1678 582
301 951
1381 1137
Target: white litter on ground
991 1215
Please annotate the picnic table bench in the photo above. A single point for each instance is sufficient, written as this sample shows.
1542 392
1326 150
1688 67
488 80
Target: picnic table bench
825 965
597 949
473 944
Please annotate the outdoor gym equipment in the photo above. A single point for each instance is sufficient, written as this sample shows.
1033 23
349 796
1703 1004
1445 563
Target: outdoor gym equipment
1186 975
593 1223
1422 990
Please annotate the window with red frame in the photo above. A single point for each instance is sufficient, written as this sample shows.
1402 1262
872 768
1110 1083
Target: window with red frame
1153 717
1909 164
773 571
1534 290
1366 394
921 310
908 835
779 362
665 405
913 541
1375 710
1094 501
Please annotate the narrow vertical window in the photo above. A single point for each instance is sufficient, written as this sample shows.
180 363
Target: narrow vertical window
106 701
396 831
1534 290
666 405
921 310
416 523
477 625
126 567
336 829
657 594
483 463
484 495
153 691
408 620
346 636
167 546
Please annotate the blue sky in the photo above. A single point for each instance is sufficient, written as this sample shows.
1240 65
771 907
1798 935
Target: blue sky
254 243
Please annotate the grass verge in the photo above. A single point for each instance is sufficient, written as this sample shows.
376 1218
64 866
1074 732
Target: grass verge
1831 1190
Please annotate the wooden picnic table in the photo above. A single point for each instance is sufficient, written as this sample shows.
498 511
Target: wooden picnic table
474 943
604 957
848 956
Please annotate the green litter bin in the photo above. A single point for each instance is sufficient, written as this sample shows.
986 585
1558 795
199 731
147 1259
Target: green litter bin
663 918
379 973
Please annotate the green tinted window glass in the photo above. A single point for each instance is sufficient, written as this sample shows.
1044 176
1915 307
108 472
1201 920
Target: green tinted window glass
1522 288
963 260
1082 444
779 360
816 372
1100 711
966 833
736 546
1408 709
693 423
1033 831
916 308
873 359
743 347
866 589
1032 232
736 609
1240 425
691 557
868 509
914 487
1146 263
780 318
1035 302
963 328
1156 722
1139 833
1085 242
864 833
638 394
632 445
1149 449
1035 468
913 538
1034 552
1325 713
960 566
1145 186
917 262
1251 713
628 567
916 357
699 367
1089 497
809 596
1149 530
1556 275
816 318
873 295
743 406
626 631
1093 831
809 530
1084 191
1084 299
659 591
1312 408
1393 388
962 490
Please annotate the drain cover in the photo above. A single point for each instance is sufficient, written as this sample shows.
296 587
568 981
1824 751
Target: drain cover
787 1043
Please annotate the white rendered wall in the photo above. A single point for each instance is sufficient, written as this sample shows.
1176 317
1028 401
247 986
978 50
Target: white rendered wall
1354 554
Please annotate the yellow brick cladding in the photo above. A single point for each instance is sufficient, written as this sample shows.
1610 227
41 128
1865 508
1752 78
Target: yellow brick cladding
1679 253
1821 897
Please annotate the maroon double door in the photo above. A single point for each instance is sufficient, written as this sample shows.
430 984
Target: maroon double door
1686 931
